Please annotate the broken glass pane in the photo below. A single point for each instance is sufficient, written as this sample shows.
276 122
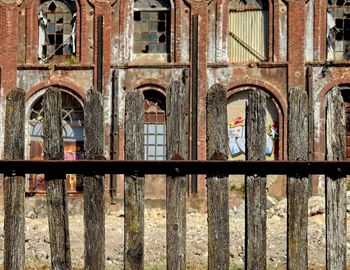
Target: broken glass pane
59 18
59 39
137 16
145 48
161 15
51 39
50 17
161 38
59 50
59 28
161 26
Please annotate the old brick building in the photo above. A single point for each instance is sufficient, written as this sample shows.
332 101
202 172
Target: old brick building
272 45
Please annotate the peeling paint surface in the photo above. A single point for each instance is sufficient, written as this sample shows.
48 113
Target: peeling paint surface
283 31
28 79
309 33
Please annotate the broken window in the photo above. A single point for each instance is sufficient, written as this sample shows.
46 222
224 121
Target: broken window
57 29
248 31
151 26
73 140
155 126
338 30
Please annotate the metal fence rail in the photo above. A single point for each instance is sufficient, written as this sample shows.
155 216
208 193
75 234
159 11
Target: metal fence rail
171 167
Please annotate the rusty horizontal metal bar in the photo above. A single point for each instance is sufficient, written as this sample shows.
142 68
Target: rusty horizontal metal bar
174 167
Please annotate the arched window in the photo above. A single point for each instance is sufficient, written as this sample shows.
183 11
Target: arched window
155 126
73 140
236 111
248 31
57 29
151 27
338 30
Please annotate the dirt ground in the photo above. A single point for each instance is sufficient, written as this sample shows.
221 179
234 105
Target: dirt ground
38 255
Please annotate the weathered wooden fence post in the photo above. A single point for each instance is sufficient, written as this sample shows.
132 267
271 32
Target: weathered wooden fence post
176 185
297 185
255 185
134 184
335 184
217 185
57 209
14 186
94 214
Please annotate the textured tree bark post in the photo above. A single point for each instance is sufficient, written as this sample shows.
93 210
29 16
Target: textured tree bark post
255 185
94 214
297 185
134 184
56 195
335 184
14 186
176 185
217 185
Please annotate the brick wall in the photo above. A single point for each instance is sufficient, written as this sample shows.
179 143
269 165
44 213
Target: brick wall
20 66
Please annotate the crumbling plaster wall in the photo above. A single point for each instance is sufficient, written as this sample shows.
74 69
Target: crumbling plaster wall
137 78
28 79
324 78
309 31
283 31
236 74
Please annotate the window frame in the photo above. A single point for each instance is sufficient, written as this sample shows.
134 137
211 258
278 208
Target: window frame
73 118
169 31
73 36
267 9
332 51
154 105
